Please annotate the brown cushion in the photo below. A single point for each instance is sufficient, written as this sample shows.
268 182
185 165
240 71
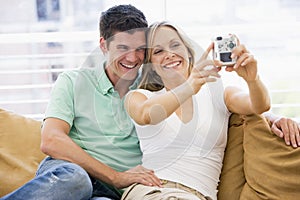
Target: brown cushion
232 177
272 169
19 150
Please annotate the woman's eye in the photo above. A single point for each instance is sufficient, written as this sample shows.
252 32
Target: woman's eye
157 51
175 44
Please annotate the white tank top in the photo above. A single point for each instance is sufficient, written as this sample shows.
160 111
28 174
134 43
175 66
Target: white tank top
189 153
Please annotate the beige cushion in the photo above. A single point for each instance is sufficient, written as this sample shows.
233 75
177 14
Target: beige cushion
272 169
232 177
19 150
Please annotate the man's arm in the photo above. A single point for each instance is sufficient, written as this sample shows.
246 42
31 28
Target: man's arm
57 144
285 128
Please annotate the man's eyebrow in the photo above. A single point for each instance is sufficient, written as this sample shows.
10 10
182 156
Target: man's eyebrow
142 46
125 45
122 45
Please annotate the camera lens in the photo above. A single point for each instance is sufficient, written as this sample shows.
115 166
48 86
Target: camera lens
231 45
219 38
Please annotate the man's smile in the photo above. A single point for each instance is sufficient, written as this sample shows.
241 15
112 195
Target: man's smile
128 66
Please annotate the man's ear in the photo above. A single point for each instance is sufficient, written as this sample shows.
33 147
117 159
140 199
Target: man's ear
103 45
152 68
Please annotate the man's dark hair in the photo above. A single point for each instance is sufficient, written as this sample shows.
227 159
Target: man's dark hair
119 19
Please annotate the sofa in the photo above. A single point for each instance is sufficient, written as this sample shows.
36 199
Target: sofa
257 164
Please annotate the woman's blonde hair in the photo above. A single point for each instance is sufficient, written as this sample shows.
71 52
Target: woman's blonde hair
150 80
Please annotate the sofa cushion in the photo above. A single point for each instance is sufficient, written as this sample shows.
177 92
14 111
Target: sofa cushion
272 169
232 177
19 150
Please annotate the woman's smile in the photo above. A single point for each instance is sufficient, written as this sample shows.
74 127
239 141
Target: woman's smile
172 64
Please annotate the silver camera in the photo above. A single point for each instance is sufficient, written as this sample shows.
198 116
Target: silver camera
223 46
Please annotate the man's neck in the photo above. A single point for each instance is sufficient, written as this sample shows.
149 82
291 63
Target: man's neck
120 85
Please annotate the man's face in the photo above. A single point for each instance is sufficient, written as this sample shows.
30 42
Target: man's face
125 54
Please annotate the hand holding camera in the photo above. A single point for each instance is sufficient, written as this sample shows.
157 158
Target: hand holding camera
243 63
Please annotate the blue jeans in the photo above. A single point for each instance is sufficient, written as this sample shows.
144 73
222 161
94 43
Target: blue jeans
62 180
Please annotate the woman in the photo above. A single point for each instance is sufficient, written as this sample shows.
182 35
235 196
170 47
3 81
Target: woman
181 114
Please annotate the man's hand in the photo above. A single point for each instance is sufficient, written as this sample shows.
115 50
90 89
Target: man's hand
288 129
138 174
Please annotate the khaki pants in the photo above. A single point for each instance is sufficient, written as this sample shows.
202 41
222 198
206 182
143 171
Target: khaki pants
169 191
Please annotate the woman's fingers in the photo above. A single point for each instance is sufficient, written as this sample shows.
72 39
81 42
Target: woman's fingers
239 50
243 60
202 64
206 53
237 39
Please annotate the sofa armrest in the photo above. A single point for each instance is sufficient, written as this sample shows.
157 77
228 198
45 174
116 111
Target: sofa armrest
19 150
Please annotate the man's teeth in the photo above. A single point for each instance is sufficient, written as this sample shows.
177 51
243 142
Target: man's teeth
172 64
128 66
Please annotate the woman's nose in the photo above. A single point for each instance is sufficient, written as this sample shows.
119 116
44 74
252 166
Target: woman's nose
170 54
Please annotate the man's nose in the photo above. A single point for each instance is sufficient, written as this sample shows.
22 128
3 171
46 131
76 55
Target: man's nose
131 56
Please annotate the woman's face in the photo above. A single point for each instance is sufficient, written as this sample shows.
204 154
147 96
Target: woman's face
170 57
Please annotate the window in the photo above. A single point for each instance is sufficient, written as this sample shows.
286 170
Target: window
34 53
48 10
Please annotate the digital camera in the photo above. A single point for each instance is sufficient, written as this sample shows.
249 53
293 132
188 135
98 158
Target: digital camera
223 46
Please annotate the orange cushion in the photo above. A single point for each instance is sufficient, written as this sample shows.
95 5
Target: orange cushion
272 169
19 150
232 177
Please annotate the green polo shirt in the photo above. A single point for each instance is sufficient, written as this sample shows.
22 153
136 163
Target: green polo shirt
87 101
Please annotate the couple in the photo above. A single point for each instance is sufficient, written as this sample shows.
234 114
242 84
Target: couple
175 145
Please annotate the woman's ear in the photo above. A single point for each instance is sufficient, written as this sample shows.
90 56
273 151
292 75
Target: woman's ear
103 45
190 55
190 59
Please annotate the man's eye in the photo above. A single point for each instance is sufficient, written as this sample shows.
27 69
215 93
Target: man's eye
122 47
141 49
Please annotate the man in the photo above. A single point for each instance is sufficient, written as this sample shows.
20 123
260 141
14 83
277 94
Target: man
92 147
